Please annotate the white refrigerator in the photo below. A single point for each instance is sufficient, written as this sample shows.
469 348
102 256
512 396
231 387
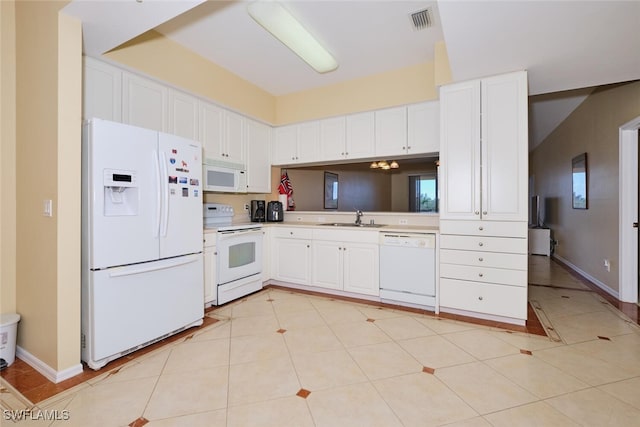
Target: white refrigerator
142 267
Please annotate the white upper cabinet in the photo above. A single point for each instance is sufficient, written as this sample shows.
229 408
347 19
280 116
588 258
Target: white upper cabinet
211 129
285 147
222 133
235 140
183 115
333 139
296 143
423 127
347 137
102 91
361 132
308 139
144 102
391 131
484 149
258 157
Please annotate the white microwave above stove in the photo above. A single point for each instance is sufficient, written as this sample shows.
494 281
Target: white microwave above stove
224 177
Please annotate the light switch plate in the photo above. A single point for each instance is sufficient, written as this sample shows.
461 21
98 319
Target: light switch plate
47 208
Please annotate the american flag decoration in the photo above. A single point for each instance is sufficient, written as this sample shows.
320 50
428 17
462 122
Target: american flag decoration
286 188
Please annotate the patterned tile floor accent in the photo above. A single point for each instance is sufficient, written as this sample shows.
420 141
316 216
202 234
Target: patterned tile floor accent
285 358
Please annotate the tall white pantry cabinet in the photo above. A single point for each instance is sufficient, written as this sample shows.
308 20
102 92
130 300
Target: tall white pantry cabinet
483 200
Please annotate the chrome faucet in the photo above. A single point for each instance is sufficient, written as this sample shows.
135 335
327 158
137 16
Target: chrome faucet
359 217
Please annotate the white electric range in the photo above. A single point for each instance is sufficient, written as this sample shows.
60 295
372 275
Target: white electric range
239 253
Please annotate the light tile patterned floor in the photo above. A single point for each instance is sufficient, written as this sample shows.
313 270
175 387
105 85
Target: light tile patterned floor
282 358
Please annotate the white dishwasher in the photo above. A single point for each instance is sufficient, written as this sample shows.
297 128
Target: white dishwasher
408 268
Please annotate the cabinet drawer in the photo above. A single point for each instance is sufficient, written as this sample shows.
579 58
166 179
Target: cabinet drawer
342 235
484 259
485 228
499 300
484 244
292 232
501 276
210 239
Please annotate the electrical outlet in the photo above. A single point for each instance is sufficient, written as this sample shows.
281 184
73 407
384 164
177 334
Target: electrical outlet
607 265
246 206
404 222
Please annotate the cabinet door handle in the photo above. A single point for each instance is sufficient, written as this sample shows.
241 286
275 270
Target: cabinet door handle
484 212
308 246
477 212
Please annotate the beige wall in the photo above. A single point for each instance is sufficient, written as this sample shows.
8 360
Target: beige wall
7 158
48 167
404 86
586 237
157 56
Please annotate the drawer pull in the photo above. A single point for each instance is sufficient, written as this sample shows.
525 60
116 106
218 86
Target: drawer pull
480 228
480 259
480 244
480 298
480 274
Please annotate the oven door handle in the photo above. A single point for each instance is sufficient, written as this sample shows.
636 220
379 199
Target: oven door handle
231 233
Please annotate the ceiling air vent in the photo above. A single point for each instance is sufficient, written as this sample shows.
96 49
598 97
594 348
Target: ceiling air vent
422 19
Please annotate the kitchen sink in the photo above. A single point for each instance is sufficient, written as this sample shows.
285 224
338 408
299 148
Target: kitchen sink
352 224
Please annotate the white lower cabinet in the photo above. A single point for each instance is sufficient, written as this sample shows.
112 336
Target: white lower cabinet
327 264
361 268
266 254
210 269
346 266
291 249
482 272
335 259
484 298
346 261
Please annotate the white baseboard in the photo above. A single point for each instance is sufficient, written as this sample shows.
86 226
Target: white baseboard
46 370
587 276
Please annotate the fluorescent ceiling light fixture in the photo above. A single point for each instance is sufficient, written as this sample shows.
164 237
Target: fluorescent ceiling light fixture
283 26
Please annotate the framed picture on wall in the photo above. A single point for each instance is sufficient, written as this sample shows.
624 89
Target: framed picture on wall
330 190
579 182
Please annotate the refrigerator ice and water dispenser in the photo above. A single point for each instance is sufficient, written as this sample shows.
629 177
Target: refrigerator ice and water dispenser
120 193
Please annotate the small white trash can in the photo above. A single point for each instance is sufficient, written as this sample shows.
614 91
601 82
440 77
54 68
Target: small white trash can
8 333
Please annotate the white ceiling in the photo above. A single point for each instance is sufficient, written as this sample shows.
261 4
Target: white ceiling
564 45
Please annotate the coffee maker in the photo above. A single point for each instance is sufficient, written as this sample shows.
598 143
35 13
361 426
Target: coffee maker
258 211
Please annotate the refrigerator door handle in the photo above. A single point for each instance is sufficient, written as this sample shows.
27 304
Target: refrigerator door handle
156 231
129 271
164 186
